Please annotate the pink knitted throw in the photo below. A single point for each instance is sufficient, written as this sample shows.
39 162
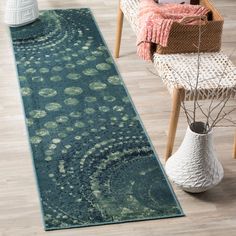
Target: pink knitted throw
155 21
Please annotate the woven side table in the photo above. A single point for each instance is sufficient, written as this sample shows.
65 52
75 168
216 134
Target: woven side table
170 66
20 12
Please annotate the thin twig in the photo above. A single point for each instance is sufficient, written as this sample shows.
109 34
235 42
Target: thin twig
198 73
219 113
219 82
223 117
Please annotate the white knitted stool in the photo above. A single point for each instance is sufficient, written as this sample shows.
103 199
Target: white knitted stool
178 72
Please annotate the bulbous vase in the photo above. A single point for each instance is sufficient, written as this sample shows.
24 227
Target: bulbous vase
195 167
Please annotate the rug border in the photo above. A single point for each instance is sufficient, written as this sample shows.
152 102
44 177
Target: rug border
140 120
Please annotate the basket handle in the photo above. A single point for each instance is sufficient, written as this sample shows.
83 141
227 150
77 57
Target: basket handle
188 19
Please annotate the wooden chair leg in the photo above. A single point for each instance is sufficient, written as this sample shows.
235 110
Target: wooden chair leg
178 95
234 147
119 26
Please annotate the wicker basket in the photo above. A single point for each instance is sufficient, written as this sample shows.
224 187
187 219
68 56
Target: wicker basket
184 38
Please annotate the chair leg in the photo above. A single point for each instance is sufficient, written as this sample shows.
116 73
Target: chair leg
234 147
119 26
177 97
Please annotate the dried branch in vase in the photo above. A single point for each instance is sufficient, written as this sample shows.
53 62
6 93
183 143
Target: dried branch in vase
215 112
203 76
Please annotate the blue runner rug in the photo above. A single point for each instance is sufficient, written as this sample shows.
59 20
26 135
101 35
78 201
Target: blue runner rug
93 160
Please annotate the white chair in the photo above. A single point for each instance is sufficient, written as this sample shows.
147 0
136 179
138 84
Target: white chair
172 65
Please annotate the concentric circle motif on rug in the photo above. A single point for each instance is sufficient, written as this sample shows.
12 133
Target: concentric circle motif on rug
93 160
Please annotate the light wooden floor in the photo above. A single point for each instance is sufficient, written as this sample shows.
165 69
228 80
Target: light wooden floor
210 213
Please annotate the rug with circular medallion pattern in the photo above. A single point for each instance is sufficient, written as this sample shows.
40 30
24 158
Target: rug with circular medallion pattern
93 160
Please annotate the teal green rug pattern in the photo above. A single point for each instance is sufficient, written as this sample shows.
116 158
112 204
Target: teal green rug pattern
93 160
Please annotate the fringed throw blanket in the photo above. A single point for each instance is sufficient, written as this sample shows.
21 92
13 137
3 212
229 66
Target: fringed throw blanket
155 21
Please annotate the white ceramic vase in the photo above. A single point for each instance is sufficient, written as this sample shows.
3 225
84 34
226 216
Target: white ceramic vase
195 167
20 12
